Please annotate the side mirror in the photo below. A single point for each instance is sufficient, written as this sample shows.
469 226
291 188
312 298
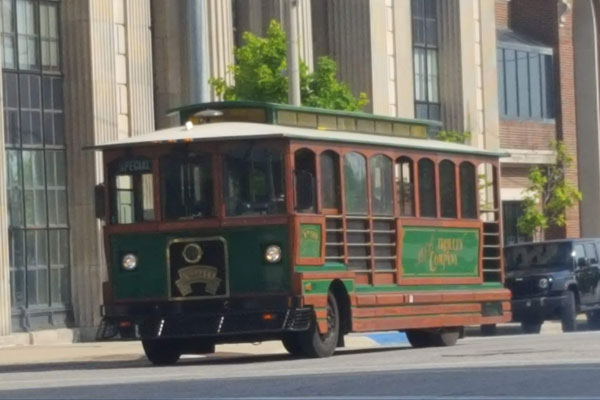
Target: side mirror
582 262
99 201
305 190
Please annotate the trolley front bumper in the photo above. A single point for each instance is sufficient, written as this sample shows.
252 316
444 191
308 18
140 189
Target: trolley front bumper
223 320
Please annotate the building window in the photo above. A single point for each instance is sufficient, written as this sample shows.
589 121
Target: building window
525 83
511 212
35 153
425 59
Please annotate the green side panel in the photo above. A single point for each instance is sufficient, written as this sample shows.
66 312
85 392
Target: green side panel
248 272
327 267
310 240
440 252
425 288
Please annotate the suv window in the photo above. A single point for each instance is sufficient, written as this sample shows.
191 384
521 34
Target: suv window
579 253
590 252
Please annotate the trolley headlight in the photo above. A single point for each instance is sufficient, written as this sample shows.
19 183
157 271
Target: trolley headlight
543 283
129 262
273 254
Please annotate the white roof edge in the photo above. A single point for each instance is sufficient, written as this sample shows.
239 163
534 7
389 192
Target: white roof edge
221 131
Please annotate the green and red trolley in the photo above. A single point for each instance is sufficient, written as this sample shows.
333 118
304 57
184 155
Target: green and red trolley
258 221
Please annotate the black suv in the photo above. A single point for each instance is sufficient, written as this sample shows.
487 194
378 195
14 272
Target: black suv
554 280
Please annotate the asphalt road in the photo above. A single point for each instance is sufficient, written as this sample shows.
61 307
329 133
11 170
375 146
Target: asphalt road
564 366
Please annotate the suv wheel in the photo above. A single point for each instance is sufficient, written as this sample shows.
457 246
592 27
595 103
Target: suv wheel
593 320
531 326
568 313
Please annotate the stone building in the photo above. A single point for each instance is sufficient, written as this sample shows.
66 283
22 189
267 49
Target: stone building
81 72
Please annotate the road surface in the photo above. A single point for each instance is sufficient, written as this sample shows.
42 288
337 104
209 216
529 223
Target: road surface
563 366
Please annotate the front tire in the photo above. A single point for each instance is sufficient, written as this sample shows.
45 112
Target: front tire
162 351
317 345
593 320
531 326
292 343
568 315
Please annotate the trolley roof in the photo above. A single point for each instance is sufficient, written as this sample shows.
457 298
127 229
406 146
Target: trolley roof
229 131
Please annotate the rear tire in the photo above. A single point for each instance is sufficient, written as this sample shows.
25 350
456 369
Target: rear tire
568 315
317 345
162 351
446 337
489 330
531 326
420 338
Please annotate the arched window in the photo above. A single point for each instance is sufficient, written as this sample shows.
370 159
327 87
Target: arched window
382 198
305 181
448 189
405 186
468 194
355 181
330 180
427 194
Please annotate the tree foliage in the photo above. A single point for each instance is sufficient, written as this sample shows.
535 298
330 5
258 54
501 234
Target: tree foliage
454 136
549 194
260 74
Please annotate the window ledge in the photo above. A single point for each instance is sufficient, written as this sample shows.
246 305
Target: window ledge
529 157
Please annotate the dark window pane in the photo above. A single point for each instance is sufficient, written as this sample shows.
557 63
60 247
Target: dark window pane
11 127
59 129
535 87
431 31
523 83
468 195
188 186
382 201
15 188
427 190
548 87
57 92
422 111
434 112
355 181
510 65
330 180
24 91
405 183
35 91
305 181
16 238
501 83
448 189
48 102
254 181
11 90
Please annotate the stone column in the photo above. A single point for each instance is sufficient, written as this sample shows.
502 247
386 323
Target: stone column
255 15
170 42
587 86
98 68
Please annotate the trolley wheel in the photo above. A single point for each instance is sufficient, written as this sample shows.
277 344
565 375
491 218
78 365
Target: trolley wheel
162 351
568 314
420 338
446 337
291 342
317 345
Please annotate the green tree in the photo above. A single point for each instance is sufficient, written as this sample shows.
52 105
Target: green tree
454 136
549 195
260 74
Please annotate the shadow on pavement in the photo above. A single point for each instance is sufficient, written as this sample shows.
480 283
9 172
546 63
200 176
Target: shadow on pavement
515 329
219 358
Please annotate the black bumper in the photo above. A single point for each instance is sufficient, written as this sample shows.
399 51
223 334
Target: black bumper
221 320
541 308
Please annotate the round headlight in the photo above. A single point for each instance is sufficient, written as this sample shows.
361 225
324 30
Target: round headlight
543 283
129 262
273 254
